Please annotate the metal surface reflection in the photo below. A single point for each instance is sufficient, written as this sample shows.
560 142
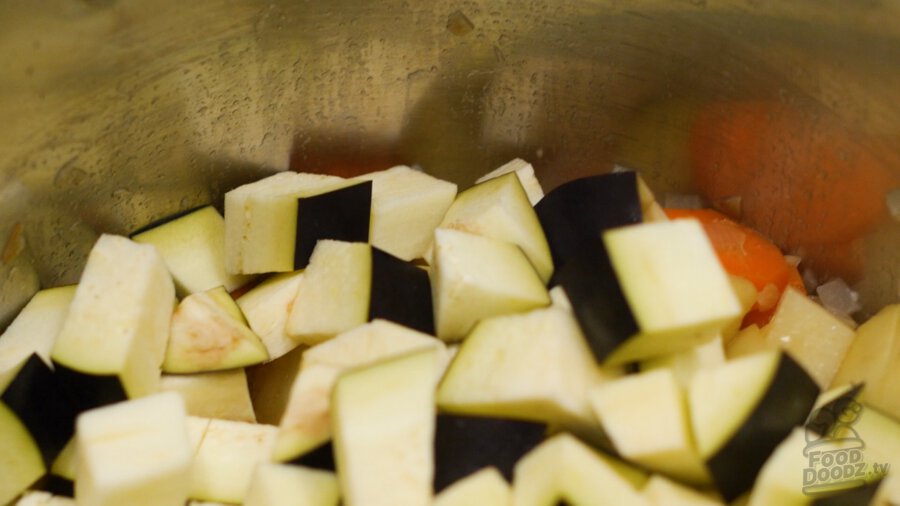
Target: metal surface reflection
116 113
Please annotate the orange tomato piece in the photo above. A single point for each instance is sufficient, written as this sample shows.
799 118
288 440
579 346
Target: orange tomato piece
805 180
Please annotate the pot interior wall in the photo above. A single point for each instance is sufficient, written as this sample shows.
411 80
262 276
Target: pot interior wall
118 113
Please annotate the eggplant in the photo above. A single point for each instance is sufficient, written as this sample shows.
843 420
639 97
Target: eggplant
341 215
282 484
400 292
525 172
645 416
87 390
42 404
35 328
348 284
306 422
192 246
475 277
221 394
485 486
499 208
648 290
134 452
564 468
266 307
874 359
596 298
742 410
270 385
266 229
322 457
466 444
228 453
113 340
578 211
675 286
37 418
530 366
383 423
208 332
407 205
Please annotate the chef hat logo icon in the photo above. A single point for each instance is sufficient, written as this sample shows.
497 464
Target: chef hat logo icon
833 424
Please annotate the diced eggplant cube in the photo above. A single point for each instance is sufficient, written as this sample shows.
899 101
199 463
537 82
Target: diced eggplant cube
530 366
220 394
383 422
499 208
193 248
593 290
742 410
348 284
228 453
407 205
476 277
266 307
578 211
261 220
646 417
208 333
89 391
118 324
465 444
525 172
675 286
564 468
134 452
341 215
306 422
401 292
485 486
36 326
42 404
288 485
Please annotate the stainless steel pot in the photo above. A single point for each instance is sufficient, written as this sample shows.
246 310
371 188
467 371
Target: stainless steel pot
119 112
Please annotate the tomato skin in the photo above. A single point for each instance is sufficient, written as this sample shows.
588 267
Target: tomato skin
746 253
806 181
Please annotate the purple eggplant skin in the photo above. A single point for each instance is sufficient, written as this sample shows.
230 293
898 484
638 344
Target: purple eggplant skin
858 496
787 403
166 219
465 444
342 215
322 457
40 400
580 210
597 299
400 292
88 391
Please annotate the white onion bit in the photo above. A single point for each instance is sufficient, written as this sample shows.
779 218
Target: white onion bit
838 298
